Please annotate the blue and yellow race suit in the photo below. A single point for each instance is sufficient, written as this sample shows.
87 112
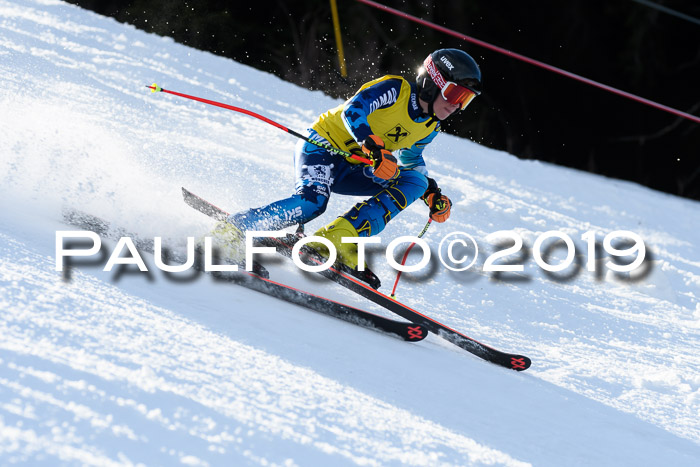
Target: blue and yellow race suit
387 107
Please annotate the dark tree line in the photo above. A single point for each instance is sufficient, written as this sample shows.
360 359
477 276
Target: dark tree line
527 111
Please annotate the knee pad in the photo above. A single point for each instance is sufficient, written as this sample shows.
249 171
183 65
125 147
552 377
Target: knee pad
371 216
412 184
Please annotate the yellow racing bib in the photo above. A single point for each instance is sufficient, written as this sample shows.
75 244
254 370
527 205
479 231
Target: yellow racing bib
393 123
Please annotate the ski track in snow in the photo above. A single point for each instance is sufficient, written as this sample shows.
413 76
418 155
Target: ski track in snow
131 369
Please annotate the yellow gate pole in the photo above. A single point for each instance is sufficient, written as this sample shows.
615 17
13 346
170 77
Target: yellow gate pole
338 39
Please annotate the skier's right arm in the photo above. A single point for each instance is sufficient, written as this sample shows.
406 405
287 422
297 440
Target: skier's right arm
382 95
358 108
385 165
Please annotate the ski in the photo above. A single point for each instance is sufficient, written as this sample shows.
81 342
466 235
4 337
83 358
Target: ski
284 246
513 361
203 206
405 330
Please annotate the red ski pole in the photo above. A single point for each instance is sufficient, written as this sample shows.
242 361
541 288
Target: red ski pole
405 256
155 88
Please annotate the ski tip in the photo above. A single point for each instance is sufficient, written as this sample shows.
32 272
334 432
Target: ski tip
519 362
415 333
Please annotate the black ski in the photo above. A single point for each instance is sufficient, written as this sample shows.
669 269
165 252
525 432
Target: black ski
284 246
405 330
508 360
203 206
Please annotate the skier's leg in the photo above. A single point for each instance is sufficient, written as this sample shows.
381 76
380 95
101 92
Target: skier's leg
301 207
370 216
314 168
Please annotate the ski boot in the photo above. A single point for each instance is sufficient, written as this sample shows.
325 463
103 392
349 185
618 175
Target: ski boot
228 240
347 259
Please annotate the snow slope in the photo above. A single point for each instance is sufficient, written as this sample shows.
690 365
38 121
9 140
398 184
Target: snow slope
133 368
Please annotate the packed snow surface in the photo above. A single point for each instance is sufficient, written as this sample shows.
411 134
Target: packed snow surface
126 367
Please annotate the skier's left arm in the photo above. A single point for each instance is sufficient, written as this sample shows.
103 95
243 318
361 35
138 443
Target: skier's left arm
439 204
412 158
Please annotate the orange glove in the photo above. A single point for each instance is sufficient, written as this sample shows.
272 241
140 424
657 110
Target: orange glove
439 204
385 165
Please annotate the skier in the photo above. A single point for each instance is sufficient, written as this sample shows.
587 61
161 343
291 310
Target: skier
387 115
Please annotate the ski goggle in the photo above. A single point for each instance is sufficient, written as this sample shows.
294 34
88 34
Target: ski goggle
457 95
451 91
